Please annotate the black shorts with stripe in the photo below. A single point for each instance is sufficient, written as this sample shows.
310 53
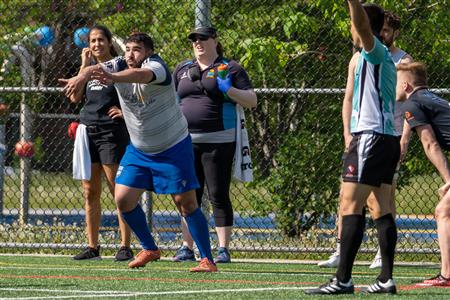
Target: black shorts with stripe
372 159
107 143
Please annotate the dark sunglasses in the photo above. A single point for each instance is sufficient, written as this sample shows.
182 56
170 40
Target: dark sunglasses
199 37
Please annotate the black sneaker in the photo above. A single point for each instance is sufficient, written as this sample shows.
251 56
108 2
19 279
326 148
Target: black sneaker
124 254
381 288
89 254
333 287
184 254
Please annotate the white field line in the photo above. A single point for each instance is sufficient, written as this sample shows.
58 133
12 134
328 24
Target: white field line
111 294
246 260
178 271
62 291
308 274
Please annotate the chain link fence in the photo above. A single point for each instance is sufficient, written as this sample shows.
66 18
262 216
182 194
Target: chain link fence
296 53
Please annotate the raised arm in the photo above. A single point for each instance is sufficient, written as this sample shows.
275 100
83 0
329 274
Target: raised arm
361 24
433 150
347 103
86 56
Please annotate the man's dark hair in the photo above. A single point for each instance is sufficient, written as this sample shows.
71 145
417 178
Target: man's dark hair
392 20
376 17
141 37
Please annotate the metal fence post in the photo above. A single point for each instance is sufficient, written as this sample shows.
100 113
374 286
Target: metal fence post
147 206
202 13
2 159
25 162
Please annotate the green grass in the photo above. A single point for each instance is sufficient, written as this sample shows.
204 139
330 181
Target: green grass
62 278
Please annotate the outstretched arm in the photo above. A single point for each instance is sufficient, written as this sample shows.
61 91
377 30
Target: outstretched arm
74 87
361 23
133 75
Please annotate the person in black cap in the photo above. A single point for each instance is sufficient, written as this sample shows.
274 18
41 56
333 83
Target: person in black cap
209 88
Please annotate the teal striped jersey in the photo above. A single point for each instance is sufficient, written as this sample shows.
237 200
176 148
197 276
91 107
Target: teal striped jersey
374 91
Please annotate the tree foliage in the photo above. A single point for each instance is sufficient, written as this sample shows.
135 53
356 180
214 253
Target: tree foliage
283 44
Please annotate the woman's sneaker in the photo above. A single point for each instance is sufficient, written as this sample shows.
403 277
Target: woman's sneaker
376 263
223 256
331 262
89 254
333 287
124 254
184 254
381 288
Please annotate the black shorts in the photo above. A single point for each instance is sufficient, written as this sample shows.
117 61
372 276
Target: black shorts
371 159
107 143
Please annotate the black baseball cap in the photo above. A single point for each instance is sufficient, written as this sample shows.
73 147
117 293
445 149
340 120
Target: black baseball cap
206 31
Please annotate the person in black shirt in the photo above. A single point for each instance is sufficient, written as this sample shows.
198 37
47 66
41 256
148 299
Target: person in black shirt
208 102
108 138
429 116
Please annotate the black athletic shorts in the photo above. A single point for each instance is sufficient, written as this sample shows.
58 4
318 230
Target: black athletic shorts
107 143
371 159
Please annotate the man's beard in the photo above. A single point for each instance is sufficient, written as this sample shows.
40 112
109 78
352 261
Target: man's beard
389 42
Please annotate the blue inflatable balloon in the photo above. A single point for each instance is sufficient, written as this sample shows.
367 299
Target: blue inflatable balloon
81 37
44 36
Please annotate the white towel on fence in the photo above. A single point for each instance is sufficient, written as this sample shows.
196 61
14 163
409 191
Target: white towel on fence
81 157
243 169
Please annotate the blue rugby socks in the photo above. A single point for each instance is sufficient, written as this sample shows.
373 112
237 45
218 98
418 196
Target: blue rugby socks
198 227
138 223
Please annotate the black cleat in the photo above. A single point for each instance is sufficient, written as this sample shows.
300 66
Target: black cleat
124 254
89 254
333 287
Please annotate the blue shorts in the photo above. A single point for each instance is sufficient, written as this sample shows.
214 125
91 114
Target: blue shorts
169 172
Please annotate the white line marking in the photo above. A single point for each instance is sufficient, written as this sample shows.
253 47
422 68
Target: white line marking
130 293
178 271
245 260
303 274
60 291
70 297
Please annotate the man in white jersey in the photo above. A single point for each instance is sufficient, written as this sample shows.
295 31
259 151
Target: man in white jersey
160 156
373 152
389 33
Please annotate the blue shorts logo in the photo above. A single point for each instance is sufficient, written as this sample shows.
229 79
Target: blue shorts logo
119 171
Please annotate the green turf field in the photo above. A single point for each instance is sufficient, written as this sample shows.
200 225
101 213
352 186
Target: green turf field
47 277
